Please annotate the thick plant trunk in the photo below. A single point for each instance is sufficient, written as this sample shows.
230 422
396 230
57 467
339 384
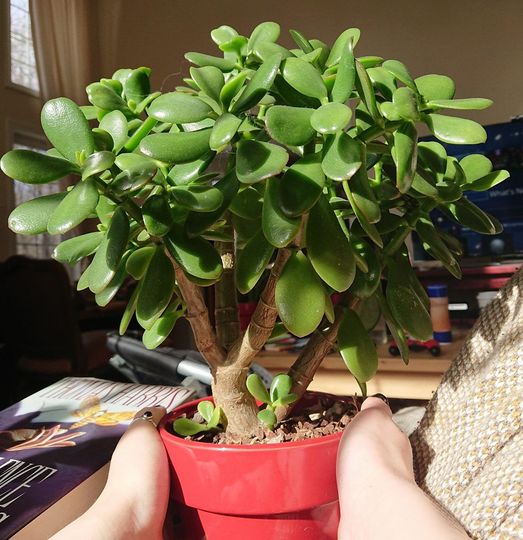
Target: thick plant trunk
231 394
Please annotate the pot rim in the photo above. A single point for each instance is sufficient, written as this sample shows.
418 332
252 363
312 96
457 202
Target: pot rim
271 447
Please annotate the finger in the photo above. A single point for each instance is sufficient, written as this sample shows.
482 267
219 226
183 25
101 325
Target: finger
376 403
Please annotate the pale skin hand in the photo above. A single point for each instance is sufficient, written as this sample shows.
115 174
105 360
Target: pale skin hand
134 501
378 495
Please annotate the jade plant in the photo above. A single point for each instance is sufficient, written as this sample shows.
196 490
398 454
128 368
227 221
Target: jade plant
297 166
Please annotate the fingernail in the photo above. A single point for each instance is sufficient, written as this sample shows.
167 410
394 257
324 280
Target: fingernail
382 397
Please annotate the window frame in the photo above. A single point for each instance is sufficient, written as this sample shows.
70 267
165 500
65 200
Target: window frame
7 56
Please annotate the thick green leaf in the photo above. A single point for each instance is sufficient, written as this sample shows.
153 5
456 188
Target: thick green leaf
176 147
199 198
405 305
267 49
105 97
223 131
264 32
178 108
345 77
34 168
200 59
469 215
399 71
115 124
300 296
103 298
429 235
340 45
268 417
330 118
117 238
247 203
475 104
129 310
75 249
357 348
488 181
278 228
97 163
161 329
183 173
258 86
100 275
383 81
304 78
195 255
138 261
328 248
232 87
156 289
302 185
157 215
198 222
134 178
343 157
281 387
404 100
368 227
136 85
76 206
454 130
186 427
290 125
210 80
366 282
364 197
434 156
31 217
66 127
405 155
302 42
252 262
475 166
435 87
257 160
366 90
369 312
206 410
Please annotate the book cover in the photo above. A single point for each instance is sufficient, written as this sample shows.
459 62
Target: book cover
52 441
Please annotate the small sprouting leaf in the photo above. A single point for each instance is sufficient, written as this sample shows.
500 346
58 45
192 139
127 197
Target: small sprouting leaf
268 417
301 185
31 217
186 427
343 157
278 228
66 127
215 418
257 388
328 248
223 131
300 296
357 348
330 118
178 108
258 86
157 289
454 130
252 262
34 168
75 207
435 87
97 163
405 155
290 125
176 147
281 386
199 198
304 78
257 160
206 409
474 104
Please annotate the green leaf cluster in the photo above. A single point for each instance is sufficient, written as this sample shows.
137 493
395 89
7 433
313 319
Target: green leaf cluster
212 418
312 149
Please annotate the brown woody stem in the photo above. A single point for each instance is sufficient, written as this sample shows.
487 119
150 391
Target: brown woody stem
198 317
263 319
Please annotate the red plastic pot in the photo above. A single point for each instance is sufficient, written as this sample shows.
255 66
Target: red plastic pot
283 491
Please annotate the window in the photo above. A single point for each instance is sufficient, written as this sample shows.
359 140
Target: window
23 64
40 246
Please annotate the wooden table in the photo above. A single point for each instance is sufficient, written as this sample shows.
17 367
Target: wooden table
418 380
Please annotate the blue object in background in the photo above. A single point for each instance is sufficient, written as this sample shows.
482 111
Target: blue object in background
504 147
